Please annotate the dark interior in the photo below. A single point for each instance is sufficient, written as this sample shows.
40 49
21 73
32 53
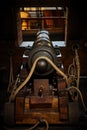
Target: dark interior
11 37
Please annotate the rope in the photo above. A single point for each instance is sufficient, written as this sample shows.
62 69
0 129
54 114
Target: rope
71 68
41 121
11 79
35 125
15 84
75 88
72 72
13 94
78 67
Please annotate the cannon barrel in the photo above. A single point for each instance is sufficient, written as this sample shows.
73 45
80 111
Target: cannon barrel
42 47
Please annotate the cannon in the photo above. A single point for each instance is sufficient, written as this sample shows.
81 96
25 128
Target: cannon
40 90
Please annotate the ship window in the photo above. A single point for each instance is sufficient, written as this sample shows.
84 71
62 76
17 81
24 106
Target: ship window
52 19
